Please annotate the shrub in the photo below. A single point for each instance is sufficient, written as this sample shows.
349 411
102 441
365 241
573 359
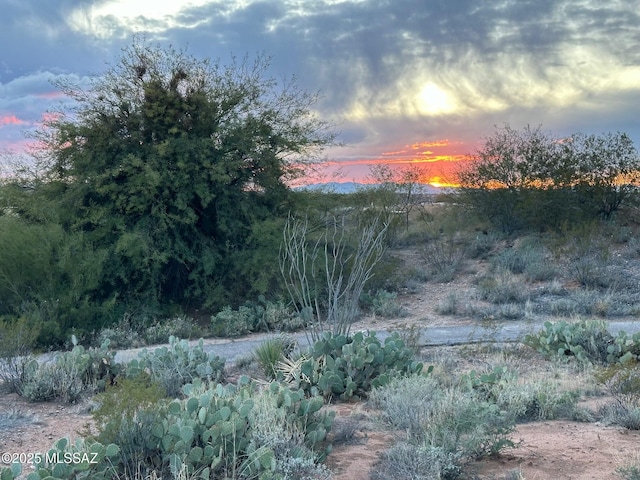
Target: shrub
263 316
71 375
448 306
444 422
382 303
417 462
622 382
501 288
233 323
122 335
180 326
126 416
17 338
178 364
444 257
526 401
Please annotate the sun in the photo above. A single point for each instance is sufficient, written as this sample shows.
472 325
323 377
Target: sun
433 100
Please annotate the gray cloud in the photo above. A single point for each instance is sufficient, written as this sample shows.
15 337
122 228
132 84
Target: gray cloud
389 71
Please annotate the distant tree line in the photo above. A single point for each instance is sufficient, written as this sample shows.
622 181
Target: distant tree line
531 179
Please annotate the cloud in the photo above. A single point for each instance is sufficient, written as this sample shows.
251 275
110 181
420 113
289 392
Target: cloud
391 73
10 120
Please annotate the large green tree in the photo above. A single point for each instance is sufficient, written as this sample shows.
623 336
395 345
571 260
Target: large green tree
178 167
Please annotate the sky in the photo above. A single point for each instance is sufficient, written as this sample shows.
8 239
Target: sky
406 82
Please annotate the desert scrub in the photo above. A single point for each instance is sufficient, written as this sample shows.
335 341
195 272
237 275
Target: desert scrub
447 422
622 382
383 303
444 256
448 306
261 316
233 323
418 462
526 400
176 365
71 375
126 415
17 338
501 287
179 326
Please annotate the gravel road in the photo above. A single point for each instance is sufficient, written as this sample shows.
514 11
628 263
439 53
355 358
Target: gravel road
232 350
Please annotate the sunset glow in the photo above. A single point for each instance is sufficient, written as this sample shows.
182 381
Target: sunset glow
11 120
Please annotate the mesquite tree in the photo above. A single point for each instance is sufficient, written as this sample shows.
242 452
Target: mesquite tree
178 167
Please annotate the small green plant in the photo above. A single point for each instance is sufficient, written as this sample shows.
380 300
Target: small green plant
272 351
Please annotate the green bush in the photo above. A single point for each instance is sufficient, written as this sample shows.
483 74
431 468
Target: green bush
382 303
173 366
349 367
179 326
71 375
233 323
126 415
263 316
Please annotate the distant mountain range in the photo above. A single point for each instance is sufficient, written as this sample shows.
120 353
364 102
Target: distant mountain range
351 187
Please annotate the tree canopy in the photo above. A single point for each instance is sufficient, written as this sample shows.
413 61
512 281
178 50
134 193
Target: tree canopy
530 178
177 168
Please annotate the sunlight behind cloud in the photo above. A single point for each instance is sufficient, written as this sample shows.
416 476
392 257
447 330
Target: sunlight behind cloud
433 100
103 20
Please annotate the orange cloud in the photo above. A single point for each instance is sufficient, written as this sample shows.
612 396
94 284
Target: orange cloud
438 143
11 120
